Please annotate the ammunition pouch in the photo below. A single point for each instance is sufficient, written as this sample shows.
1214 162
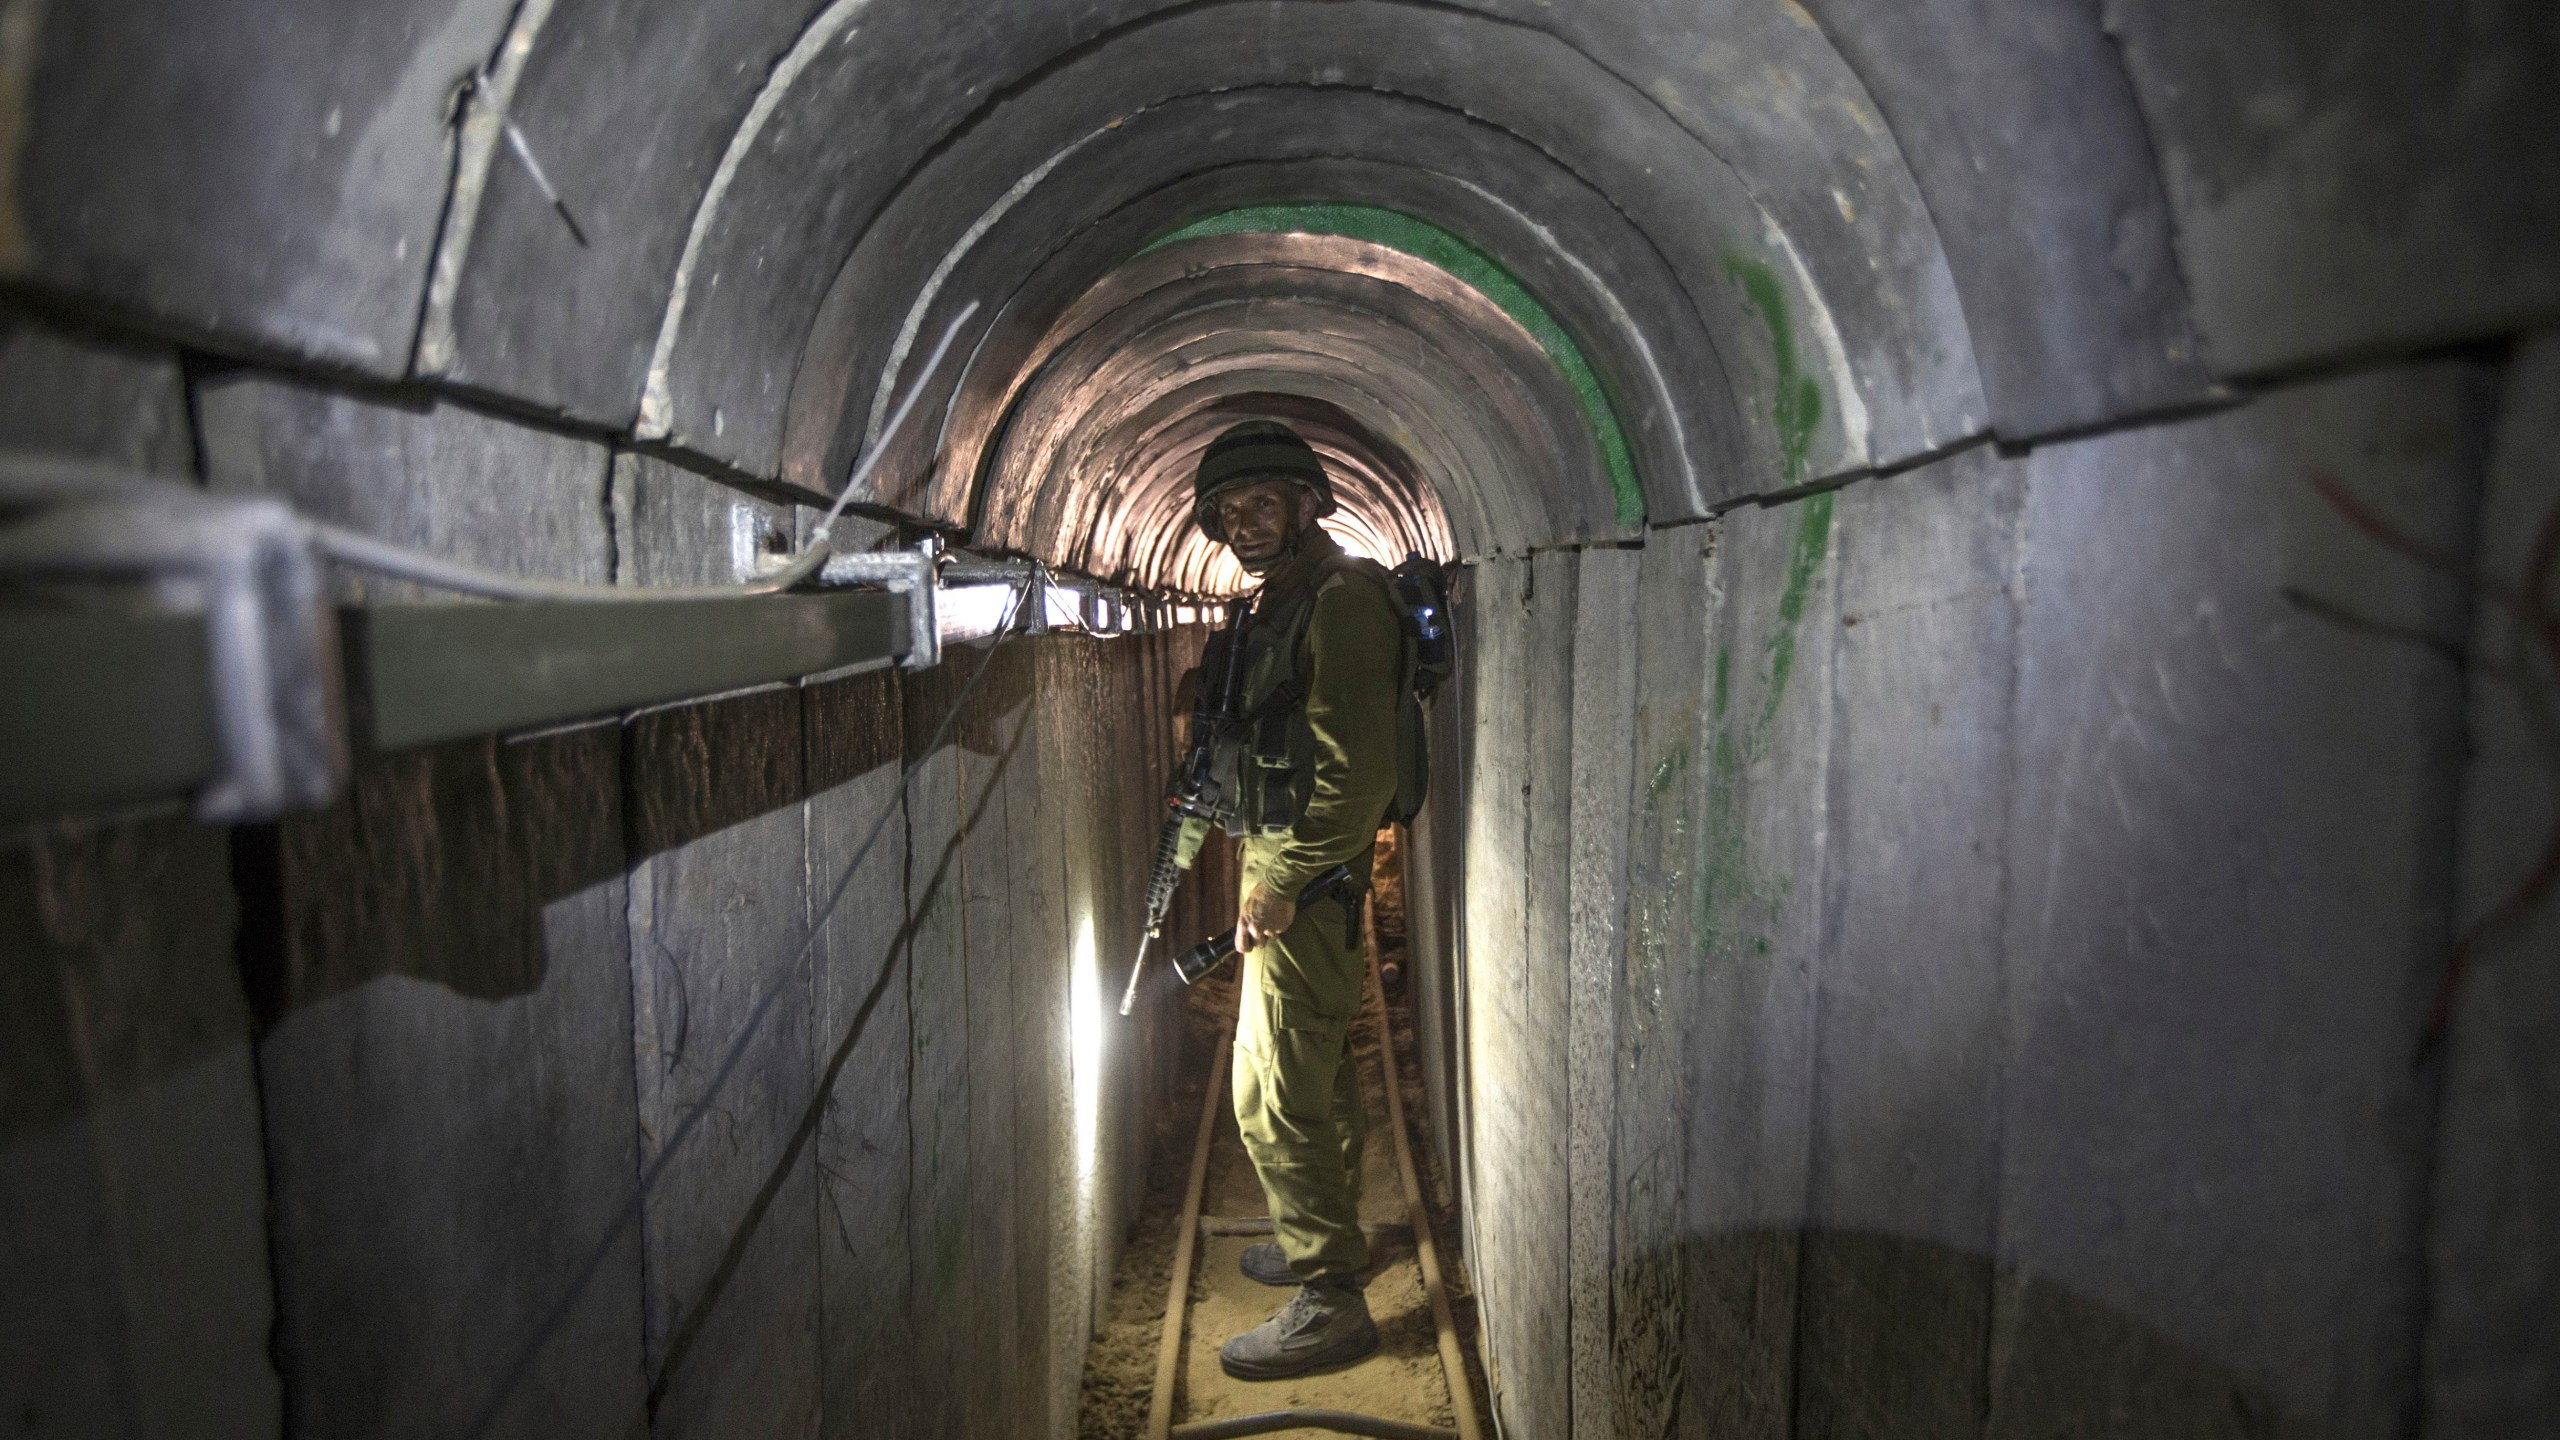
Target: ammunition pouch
1277 769
1277 778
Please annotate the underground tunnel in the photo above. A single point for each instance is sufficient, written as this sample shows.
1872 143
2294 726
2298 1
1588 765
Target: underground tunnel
594 592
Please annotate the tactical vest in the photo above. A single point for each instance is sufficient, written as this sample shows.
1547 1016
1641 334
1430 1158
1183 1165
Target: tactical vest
1277 774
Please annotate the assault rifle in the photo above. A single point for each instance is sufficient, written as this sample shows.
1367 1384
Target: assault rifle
1203 792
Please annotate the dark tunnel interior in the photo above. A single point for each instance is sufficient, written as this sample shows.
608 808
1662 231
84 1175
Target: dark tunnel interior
1988 860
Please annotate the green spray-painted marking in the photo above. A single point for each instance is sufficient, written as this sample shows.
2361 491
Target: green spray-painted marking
1729 887
1426 241
1733 893
1666 774
1661 866
1798 406
1813 541
1725 874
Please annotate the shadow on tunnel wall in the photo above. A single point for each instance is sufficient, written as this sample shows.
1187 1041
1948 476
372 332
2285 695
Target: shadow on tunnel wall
144 1009
1908 1337
514 877
439 862
437 865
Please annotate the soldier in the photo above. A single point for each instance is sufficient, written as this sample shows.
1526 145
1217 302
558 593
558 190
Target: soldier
1324 656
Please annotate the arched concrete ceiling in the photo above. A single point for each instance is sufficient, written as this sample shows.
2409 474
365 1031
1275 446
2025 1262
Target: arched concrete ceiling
1861 310
1455 400
1602 280
1387 511
1791 243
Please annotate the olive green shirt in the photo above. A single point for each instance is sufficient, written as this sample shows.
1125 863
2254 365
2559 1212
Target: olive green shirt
1350 660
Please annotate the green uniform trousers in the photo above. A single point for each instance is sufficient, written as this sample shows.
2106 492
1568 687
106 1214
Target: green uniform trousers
1297 1089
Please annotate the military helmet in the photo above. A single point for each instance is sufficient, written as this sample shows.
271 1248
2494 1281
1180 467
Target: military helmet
1249 454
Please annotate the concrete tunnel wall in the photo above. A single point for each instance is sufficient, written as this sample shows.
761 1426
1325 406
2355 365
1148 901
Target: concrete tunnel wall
1945 845
367 1122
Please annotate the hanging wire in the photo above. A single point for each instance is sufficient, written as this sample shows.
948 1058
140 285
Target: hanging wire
349 547
897 419
364 552
629 1214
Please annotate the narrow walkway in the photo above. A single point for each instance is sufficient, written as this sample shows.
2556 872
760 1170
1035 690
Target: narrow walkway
1404 1381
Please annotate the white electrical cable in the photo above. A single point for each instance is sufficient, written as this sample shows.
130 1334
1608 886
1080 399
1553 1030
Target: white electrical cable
349 547
897 419
364 552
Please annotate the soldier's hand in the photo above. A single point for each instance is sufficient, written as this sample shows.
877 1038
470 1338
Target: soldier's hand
1264 914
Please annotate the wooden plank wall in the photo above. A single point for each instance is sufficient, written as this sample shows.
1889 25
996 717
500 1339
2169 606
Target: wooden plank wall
1913 939
499 1099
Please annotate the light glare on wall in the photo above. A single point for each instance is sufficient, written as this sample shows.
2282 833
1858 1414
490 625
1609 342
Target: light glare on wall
1084 1033
973 612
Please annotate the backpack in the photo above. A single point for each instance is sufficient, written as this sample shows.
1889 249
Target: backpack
1421 590
1274 776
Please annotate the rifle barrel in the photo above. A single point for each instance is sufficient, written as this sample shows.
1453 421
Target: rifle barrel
1137 967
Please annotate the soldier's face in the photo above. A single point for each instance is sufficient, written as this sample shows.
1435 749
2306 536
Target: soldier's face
1259 520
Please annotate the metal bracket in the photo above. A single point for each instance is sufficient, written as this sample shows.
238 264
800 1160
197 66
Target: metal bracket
964 571
912 573
244 565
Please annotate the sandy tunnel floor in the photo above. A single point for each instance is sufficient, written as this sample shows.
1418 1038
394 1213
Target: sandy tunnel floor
1402 1381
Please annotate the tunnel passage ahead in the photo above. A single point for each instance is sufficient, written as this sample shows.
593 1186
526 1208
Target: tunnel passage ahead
1946 843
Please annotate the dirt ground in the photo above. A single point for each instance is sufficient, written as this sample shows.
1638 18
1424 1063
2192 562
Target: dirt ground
1402 1381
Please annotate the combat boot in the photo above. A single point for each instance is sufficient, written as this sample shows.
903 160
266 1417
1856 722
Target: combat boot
1326 1323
